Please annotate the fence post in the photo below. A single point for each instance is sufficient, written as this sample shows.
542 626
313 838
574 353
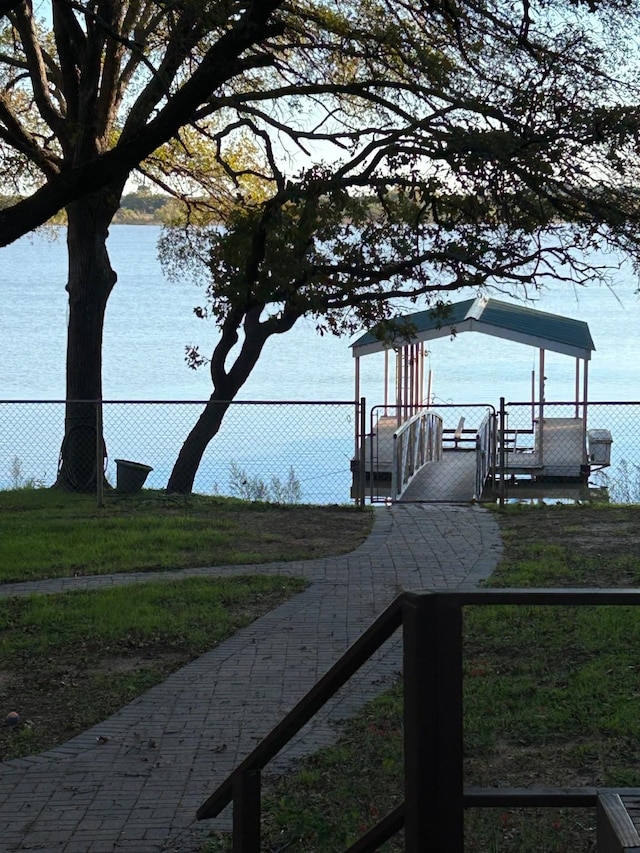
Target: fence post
433 747
361 451
99 456
493 451
502 490
246 812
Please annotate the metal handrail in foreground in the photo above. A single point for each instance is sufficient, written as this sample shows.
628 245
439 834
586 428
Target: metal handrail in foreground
435 797
243 785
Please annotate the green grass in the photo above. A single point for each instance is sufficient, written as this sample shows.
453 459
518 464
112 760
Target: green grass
67 661
551 699
48 533
193 612
579 679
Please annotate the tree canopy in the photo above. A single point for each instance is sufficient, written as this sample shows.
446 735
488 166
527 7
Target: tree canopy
471 146
360 151
111 82
88 98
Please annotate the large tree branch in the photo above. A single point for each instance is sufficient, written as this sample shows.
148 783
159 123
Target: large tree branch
15 135
256 334
104 31
219 65
71 44
25 25
13 61
143 22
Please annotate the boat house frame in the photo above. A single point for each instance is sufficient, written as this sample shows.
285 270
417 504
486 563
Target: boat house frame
560 447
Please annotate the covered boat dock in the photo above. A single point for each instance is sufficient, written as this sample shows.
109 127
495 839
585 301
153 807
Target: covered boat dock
411 452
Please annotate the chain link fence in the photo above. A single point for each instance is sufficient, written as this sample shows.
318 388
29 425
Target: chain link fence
276 450
303 451
598 441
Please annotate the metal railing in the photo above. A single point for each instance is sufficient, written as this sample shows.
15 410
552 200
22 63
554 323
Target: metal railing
471 426
417 442
388 461
432 814
243 786
486 452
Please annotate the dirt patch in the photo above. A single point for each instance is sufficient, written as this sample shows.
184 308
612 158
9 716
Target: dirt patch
166 661
301 532
58 698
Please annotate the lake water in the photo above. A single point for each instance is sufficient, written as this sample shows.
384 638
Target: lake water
150 320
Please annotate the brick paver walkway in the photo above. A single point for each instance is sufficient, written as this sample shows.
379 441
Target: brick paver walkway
137 791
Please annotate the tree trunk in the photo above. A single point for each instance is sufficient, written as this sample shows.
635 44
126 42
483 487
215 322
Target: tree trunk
226 384
91 280
188 461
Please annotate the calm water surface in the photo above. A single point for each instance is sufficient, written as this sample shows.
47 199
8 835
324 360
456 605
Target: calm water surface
150 320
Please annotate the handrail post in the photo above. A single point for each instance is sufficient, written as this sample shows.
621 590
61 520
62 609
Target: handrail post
433 748
372 473
246 812
494 450
394 469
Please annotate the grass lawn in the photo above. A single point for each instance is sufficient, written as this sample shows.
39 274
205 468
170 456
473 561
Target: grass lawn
551 698
47 533
67 661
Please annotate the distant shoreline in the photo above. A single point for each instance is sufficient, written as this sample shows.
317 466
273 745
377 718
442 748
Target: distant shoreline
139 208
120 219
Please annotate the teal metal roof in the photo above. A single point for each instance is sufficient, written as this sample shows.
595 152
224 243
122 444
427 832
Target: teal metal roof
492 317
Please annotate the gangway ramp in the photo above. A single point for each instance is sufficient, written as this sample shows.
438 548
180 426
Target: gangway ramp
421 460
451 479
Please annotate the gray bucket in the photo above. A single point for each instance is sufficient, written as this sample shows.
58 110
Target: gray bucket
130 476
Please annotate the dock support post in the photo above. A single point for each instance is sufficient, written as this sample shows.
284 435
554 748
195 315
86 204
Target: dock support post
398 386
359 436
541 380
585 404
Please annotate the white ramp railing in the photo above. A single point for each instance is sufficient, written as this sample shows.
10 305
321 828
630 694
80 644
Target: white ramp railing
485 452
416 442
